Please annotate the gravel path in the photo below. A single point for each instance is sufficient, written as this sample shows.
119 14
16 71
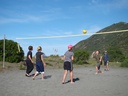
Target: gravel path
110 83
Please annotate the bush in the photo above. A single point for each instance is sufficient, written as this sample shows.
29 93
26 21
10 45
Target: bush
81 56
115 54
125 63
12 53
22 67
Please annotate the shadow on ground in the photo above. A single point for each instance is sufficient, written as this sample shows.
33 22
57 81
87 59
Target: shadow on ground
74 80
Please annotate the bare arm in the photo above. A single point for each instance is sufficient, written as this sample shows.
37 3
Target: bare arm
30 58
100 58
64 57
72 58
43 60
93 55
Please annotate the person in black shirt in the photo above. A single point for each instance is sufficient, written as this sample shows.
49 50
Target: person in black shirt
29 61
40 64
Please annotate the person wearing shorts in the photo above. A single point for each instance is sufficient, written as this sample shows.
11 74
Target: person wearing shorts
68 57
98 58
106 60
40 64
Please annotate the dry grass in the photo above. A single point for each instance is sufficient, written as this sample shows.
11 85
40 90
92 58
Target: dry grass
92 62
8 66
53 62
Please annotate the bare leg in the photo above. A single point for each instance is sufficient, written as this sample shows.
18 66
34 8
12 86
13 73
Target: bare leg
99 71
71 76
96 70
107 67
35 75
65 74
42 76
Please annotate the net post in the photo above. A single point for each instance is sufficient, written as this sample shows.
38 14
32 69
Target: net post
4 51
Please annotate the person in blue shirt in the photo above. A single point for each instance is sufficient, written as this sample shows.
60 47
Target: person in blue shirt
106 61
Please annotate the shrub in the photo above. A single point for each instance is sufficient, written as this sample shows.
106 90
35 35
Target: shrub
81 56
12 53
115 54
125 63
22 67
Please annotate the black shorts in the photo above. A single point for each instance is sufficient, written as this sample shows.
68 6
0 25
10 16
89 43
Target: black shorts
68 66
105 63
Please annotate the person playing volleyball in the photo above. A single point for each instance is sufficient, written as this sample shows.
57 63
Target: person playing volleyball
98 58
40 64
29 62
68 58
106 61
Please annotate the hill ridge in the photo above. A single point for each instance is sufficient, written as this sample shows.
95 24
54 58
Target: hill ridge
103 41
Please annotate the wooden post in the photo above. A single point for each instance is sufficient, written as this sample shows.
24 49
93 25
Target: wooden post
3 51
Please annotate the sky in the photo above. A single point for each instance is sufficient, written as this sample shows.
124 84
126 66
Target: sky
36 18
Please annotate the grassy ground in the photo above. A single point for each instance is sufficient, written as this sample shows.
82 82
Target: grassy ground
92 62
8 66
53 62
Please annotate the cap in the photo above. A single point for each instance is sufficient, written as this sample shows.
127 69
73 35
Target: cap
70 46
105 51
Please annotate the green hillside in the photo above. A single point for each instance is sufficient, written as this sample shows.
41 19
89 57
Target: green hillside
104 41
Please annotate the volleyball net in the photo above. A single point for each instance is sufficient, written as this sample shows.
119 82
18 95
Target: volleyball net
50 43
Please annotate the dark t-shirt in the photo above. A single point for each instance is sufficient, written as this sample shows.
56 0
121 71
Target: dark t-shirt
29 53
106 57
38 56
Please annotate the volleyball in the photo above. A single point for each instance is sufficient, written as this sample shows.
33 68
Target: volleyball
84 31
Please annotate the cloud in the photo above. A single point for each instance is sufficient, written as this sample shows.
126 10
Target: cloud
93 29
23 19
108 6
68 33
51 10
8 20
42 16
55 13
95 1
120 4
112 4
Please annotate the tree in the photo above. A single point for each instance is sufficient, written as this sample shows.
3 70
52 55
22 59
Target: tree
12 53
81 56
115 54
125 63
